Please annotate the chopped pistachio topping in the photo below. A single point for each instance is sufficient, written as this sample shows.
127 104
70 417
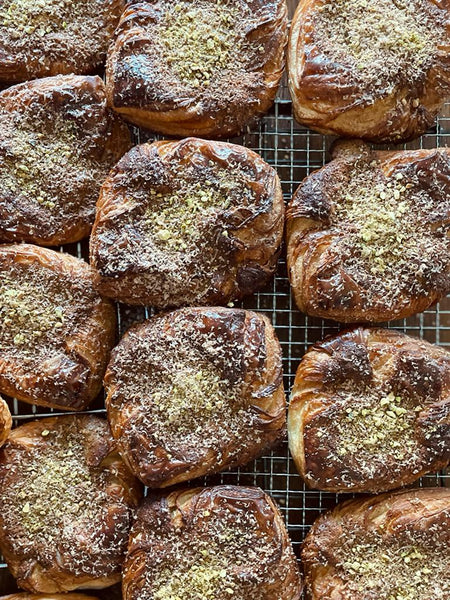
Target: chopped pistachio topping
202 564
177 220
200 41
193 402
377 429
380 219
39 17
57 504
398 571
190 395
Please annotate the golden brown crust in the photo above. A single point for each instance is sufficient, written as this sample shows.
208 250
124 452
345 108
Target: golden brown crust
51 37
197 67
25 596
187 222
368 234
56 332
58 143
195 391
66 504
5 421
370 411
220 542
352 73
381 547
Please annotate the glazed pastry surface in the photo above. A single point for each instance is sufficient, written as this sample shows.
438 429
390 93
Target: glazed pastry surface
195 391
368 234
187 222
66 505
369 411
197 67
374 70
381 547
58 143
220 542
51 37
56 332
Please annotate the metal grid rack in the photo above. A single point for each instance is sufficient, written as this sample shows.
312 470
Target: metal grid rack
295 152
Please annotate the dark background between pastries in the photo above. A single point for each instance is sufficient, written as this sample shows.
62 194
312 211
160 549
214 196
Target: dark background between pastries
295 152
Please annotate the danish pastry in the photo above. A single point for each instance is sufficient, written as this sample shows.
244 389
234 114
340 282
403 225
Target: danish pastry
197 67
195 391
5 421
55 330
220 542
380 548
187 222
370 411
368 234
25 596
66 504
374 70
51 37
58 141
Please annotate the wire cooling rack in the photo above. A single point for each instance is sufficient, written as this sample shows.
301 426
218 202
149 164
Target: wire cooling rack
295 152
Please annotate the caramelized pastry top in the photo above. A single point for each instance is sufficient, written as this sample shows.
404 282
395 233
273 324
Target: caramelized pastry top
66 504
58 142
47 37
188 222
369 411
368 234
5 421
381 547
206 67
376 70
55 330
385 43
226 541
195 391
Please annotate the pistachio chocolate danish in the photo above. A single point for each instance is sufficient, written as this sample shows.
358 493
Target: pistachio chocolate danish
58 141
370 411
187 222
374 70
56 332
224 542
66 505
368 235
382 547
51 37
195 391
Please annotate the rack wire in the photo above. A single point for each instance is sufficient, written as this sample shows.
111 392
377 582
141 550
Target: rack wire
295 152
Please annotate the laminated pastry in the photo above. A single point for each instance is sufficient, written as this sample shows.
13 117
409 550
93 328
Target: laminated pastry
197 67
58 141
66 506
375 70
195 391
187 222
370 411
368 234
55 330
51 37
5 421
393 546
224 542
